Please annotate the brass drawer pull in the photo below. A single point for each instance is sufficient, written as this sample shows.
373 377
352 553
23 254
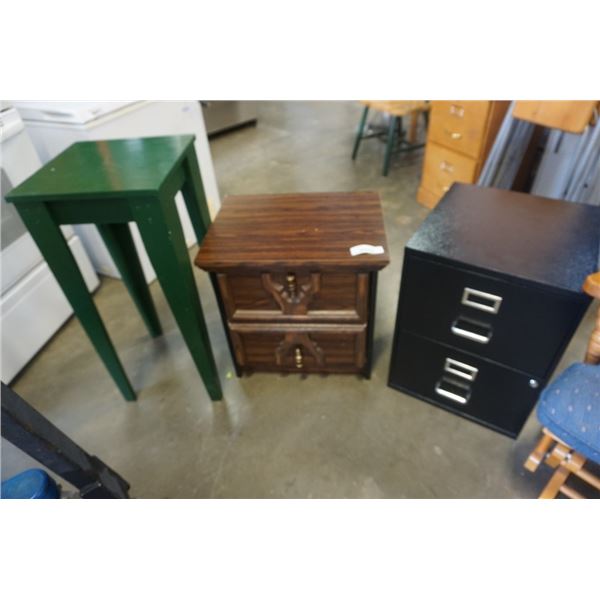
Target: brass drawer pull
291 284
446 166
456 110
454 134
292 297
488 302
298 358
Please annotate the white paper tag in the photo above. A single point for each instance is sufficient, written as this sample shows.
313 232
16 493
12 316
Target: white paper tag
366 249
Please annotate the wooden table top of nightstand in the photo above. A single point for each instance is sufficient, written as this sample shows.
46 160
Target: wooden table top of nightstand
295 231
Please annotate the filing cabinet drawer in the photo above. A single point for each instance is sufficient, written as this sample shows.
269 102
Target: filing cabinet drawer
427 197
443 167
314 349
464 384
459 125
522 327
295 296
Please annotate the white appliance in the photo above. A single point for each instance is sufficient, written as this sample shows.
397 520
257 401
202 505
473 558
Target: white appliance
221 116
32 305
53 126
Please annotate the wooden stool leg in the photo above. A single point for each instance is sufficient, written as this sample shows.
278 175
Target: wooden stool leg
119 242
56 252
556 481
162 234
391 138
194 196
537 456
412 131
359 133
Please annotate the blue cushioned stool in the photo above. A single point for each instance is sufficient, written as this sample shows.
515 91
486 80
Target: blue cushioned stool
569 410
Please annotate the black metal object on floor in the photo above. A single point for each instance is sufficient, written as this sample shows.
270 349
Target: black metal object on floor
30 431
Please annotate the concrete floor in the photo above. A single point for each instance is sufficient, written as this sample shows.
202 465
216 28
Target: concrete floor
275 436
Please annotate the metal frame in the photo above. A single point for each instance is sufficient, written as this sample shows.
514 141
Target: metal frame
393 134
30 431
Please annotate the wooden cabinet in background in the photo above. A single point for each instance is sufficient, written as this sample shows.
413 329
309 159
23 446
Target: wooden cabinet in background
291 295
461 134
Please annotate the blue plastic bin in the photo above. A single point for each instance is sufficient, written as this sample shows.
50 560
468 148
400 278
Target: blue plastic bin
31 484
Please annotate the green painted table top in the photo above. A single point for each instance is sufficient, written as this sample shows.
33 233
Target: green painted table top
92 170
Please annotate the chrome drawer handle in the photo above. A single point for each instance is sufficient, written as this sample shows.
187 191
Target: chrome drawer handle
471 335
461 369
468 299
451 395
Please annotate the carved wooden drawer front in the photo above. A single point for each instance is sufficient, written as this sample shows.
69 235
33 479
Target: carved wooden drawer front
295 295
310 350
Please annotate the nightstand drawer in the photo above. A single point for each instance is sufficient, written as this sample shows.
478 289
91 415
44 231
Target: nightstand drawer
443 167
302 350
295 296
470 386
459 125
521 327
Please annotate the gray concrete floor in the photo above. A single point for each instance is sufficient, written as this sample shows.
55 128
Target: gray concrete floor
275 436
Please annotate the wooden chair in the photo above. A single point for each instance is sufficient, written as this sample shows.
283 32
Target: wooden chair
569 409
397 109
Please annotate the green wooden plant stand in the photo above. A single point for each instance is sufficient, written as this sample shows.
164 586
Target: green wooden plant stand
109 184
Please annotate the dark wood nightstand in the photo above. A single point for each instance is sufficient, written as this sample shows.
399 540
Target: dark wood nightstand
291 295
490 297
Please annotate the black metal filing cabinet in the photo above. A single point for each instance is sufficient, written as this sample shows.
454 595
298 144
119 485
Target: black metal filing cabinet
489 299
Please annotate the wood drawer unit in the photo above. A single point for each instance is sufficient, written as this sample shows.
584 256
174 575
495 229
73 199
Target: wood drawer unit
291 295
442 167
459 126
461 134
490 297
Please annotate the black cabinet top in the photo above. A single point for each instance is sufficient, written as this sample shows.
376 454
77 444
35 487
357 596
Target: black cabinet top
552 242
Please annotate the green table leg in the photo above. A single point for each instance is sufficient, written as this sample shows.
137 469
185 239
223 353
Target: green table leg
193 194
391 137
359 133
162 234
55 250
119 242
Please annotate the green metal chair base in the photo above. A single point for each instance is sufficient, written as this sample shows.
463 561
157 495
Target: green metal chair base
394 136
110 184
